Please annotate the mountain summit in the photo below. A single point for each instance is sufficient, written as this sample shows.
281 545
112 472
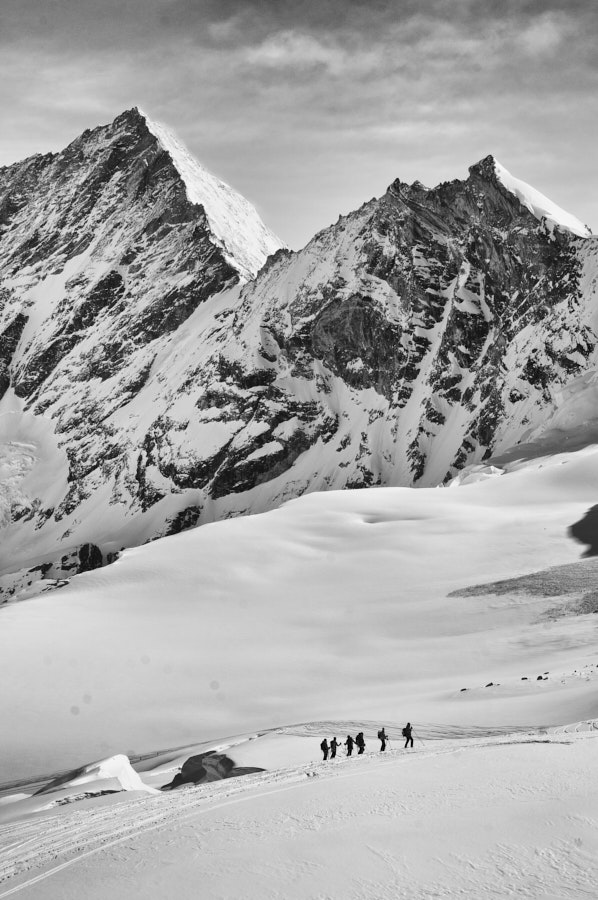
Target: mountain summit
151 384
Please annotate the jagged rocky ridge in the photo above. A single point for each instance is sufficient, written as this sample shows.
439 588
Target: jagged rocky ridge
150 385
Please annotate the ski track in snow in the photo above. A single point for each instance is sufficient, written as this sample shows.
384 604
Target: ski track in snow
85 832
55 842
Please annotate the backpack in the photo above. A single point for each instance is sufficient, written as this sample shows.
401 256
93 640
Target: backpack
404 732
324 745
381 735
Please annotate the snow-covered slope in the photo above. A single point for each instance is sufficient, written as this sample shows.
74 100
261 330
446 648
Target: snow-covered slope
425 332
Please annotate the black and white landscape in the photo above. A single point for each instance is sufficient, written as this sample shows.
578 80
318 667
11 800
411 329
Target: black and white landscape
167 363
253 496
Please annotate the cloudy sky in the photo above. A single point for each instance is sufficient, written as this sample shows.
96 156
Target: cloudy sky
311 108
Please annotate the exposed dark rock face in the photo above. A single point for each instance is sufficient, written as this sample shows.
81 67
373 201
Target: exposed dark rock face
9 340
90 557
210 766
424 332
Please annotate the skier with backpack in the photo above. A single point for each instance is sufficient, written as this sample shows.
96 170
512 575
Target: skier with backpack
360 741
333 745
407 734
324 749
349 745
382 737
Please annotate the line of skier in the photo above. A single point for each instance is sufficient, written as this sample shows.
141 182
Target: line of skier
359 742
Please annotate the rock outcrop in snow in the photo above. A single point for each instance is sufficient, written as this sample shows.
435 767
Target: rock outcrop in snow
422 333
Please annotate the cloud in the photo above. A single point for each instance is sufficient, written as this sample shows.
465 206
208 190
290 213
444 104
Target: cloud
546 33
227 30
294 49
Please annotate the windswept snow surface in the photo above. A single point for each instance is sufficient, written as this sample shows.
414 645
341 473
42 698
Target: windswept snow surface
478 818
234 221
539 205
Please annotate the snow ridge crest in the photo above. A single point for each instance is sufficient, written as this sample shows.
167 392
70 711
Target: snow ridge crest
235 224
538 204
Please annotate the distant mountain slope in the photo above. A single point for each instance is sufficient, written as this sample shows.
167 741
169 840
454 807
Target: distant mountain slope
150 386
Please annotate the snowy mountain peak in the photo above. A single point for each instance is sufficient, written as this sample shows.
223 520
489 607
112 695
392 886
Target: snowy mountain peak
485 168
134 115
234 222
538 204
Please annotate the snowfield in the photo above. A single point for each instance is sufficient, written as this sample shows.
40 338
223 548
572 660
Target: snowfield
468 610
334 606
